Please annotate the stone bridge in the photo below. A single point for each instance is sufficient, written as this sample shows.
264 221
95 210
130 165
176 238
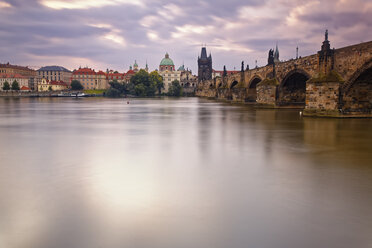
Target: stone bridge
333 82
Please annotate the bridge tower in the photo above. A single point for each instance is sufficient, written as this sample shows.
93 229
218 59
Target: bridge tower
204 65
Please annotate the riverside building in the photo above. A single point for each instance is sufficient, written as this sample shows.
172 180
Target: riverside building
29 73
55 73
90 79
168 72
22 81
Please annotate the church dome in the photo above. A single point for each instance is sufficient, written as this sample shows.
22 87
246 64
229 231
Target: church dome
166 60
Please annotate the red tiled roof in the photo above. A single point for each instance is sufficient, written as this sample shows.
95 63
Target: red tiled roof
85 71
115 75
130 72
25 88
58 83
101 73
13 75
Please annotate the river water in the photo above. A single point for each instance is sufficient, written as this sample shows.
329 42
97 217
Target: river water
180 173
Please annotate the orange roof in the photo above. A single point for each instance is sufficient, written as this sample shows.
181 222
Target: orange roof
25 88
101 73
130 72
115 75
58 83
85 71
13 75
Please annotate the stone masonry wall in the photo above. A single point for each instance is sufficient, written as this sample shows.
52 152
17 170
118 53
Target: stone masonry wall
322 95
238 94
266 94
358 98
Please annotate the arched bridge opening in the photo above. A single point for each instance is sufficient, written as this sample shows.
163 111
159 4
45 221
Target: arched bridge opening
358 95
234 84
292 91
252 91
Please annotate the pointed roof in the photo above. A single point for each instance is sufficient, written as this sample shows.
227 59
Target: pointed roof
203 53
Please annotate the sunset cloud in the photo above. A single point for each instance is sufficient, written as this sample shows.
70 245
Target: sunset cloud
5 5
114 33
85 4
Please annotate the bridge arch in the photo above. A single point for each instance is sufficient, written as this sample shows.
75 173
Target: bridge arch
252 91
292 89
233 84
357 95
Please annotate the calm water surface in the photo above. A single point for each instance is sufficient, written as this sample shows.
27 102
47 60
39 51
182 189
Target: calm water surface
186 173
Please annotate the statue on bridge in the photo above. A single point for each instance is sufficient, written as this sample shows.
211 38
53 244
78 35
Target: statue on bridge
270 60
242 70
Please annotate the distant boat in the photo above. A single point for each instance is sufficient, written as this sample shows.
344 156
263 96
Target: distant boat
64 94
79 94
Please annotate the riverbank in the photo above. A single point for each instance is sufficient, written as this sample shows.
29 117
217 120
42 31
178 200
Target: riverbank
86 93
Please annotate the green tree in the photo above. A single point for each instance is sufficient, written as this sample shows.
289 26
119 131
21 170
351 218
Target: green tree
141 84
6 86
140 90
118 86
141 77
50 88
15 85
112 92
76 85
157 80
175 89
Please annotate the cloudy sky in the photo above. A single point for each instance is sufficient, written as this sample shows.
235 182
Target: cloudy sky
114 33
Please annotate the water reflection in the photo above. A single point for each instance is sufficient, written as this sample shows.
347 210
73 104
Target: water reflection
180 173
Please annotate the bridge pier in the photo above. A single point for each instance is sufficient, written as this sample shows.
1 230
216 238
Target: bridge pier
323 95
267 92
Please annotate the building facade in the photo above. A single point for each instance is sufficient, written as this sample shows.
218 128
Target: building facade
168 72
30 74
90 79
46 85
114 75
55 73
22 81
